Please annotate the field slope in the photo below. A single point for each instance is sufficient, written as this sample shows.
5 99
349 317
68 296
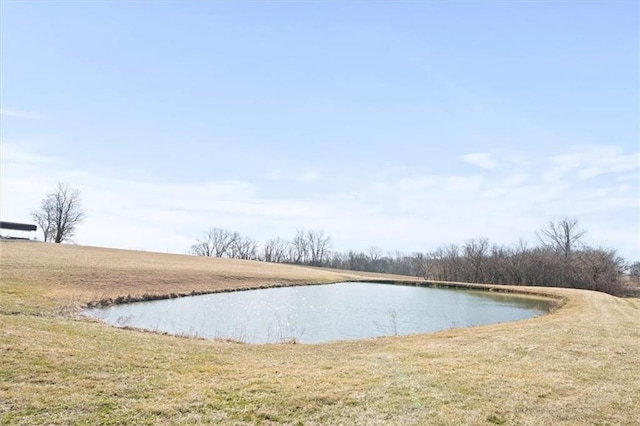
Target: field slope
578 365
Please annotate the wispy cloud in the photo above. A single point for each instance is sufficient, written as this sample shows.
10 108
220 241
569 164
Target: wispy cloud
480 159
12 154
401 212
592 162
308 176
16 113
514 201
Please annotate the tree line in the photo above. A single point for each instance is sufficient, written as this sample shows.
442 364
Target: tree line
306 248
560 258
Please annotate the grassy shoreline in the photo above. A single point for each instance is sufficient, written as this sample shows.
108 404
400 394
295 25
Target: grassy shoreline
577 365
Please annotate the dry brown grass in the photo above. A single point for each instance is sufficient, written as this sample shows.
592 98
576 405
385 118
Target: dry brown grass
578 365
68 276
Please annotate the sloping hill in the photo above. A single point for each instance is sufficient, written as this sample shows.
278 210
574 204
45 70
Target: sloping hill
578 365
61 275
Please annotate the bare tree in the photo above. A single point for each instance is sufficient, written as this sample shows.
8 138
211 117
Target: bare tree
600 269
475 251
243 248
374 254
275 250
634 274
562 235
452 263
319 245
215 243
420 264
44 219
299 248
59 213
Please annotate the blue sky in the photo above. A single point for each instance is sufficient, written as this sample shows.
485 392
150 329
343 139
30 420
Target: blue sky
403 125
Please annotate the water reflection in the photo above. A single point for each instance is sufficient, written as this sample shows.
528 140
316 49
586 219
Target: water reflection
322 313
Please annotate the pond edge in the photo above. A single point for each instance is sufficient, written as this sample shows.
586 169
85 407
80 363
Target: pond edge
558 300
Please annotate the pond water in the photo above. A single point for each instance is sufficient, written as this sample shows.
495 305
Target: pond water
323 313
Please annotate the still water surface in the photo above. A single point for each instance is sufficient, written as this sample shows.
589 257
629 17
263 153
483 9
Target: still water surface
323 313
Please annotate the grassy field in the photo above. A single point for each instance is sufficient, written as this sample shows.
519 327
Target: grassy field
578 365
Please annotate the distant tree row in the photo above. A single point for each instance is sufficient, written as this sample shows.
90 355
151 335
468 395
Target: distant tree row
561 258
306 248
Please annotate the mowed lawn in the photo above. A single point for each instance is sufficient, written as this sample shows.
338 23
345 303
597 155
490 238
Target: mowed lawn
578 365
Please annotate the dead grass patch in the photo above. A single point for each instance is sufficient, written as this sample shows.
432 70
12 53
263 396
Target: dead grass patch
578 365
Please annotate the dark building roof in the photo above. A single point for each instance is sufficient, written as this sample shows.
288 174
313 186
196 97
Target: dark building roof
18 226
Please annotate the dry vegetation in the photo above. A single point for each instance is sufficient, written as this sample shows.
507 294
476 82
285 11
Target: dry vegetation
578 365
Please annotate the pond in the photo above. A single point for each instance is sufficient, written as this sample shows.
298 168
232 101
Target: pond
323 313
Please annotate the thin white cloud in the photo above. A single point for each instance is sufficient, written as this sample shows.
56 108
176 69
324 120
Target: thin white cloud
402 212
437 184
13 154
591 162
480 159
513 203
308 176
16 113
276 175
420 183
